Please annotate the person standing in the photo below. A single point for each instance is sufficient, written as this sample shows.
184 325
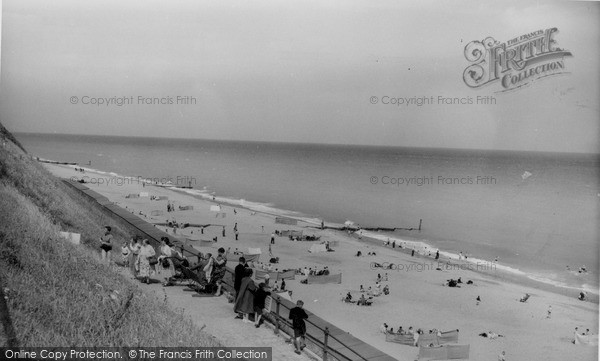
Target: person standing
298 315
259 303
134 247
238 276
146 251
219 269
165 253
244 302
208 267
125 254
106 244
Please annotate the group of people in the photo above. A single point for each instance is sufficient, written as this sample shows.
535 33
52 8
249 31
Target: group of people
143 261
140 257
456 283
384 278
250 299
376 291
359 254
581 269
362 300
384 328
309 271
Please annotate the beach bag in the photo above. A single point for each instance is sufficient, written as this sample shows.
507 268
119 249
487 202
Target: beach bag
152 260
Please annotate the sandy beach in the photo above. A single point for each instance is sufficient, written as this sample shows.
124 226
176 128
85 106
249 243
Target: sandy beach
417 298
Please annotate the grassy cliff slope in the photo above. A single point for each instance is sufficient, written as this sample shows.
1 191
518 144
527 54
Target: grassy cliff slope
58 294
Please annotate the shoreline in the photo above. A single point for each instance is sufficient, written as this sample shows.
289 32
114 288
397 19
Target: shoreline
416 299
505 273
509 274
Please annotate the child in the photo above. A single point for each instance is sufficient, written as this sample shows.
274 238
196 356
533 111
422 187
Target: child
125 254
259 303
298 315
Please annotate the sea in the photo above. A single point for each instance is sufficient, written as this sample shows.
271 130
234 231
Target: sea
536 214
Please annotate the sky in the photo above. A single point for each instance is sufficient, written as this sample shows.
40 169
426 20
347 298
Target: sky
295 71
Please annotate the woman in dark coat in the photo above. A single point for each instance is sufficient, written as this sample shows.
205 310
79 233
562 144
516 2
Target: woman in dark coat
244 302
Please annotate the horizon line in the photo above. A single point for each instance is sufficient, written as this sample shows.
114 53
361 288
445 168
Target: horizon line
503 150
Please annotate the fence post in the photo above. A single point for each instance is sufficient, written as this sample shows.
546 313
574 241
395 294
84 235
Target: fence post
277 315
325 347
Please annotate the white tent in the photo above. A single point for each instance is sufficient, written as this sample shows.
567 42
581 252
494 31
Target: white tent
215 208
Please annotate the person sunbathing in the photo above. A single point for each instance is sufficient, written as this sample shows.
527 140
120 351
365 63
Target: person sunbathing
490 335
